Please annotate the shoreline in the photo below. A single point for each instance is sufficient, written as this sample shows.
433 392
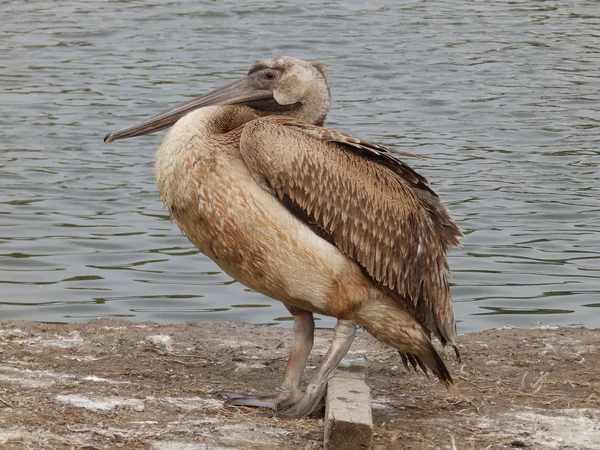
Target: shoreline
114 384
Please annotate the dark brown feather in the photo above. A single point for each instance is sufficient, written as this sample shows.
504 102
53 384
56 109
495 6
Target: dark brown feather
438 367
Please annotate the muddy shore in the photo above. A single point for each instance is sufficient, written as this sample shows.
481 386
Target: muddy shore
112 384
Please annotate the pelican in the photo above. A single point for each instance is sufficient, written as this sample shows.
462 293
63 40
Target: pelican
320 220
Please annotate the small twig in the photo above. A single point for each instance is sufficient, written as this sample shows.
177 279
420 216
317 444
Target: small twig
6 403
539 383
522 386
188 364
453 443
186 355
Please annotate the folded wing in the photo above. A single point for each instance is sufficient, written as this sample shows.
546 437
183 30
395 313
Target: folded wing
373 207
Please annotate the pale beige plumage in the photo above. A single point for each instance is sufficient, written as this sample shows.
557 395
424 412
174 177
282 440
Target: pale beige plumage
313 217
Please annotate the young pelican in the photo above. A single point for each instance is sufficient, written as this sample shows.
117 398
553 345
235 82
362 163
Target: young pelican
320 220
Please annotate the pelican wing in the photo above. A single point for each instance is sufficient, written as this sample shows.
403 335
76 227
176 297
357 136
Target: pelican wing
374 208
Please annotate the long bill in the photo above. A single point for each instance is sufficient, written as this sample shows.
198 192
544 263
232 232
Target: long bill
238 92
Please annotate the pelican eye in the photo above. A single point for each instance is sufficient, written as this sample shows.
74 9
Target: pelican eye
269 75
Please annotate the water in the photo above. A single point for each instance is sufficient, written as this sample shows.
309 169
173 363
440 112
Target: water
501 98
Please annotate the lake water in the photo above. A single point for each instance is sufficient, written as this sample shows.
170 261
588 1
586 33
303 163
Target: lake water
502 99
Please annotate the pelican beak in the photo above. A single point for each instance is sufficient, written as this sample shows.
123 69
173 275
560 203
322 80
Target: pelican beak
241 92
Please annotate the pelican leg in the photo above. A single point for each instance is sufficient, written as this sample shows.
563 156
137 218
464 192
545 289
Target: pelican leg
342 340
289 392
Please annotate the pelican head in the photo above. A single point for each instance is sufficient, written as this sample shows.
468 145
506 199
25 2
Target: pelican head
280 86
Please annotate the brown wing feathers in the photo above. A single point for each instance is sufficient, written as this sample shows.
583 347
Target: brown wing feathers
373 207
379 153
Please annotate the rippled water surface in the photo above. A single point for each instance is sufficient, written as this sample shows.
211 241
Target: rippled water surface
501 98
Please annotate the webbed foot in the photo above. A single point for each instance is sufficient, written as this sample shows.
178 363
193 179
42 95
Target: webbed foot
286 404
272 400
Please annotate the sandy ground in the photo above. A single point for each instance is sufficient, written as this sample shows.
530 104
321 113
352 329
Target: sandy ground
110 384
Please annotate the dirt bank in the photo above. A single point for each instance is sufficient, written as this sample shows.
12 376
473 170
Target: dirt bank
111 384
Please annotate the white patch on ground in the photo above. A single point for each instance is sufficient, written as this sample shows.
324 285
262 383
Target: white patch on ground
161 341
236 344
39 438
541 326
44 378
566 428
239 366
233 436
101 403
191 403
73 339
381 403
110 432
30 378
251 432
26 382
7 436
12 333
577 427
194 424
86 358
102 380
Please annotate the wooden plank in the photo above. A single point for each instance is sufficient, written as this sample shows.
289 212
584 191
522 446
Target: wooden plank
348 419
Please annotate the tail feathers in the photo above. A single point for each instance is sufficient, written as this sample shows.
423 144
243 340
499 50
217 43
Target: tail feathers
432 361
414 361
